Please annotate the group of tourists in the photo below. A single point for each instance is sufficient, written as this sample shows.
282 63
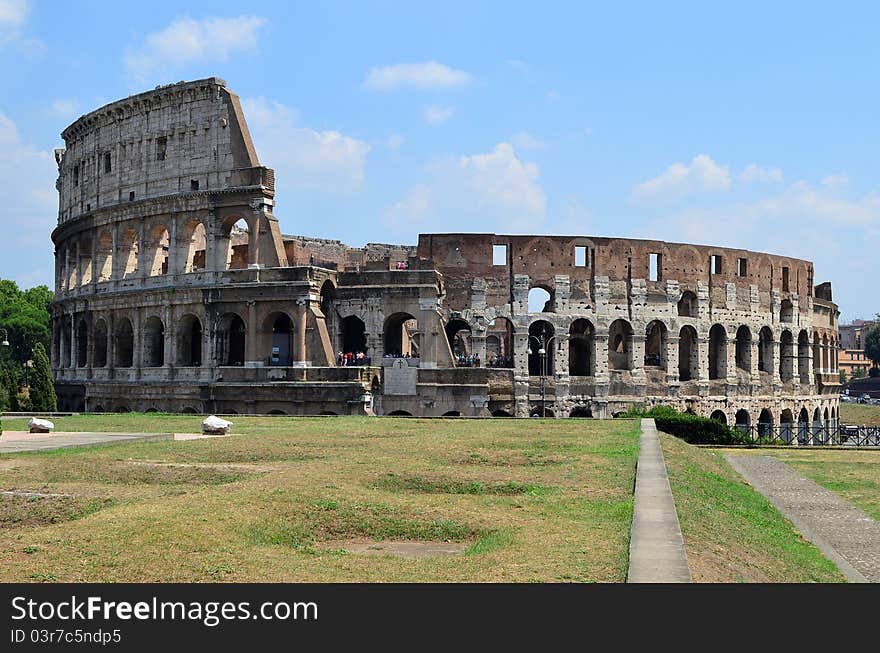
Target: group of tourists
471 360
397 355
402 265
497 360
346 359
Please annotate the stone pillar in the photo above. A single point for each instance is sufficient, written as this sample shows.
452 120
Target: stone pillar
74 343
173 248
302 316
256 224
637 360
170 335
730 355
672 343
115 272
777 362
753 366
137 353
111 345
250 354
142 253
702 379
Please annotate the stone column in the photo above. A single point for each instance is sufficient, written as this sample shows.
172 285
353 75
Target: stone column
703 367
170 337
111 345
256 224
730 355
302 317
250 356
173 248
777 362
753 365
74 343
138 349
672 343
115 271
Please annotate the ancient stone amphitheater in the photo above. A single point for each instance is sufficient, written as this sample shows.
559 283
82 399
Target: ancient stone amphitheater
177 291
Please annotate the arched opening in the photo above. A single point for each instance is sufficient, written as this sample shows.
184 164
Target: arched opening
99 353
826 358
458 334
327 412
501 413
719 416
620 336
195 241
765 350
541 348
541 300
804 357
655 345
104 257
231 340
124 351
276 412
744 348
451 413
688 354
189 410
353 338
687 305
743 422
154 342
328 296
717 352
538 412
189 342
803 432
580 411
401 335
765 424
786 356
281 327
827 424
817 425
72 265
82 344
786 426
581 348
499 343
237 254
786 311
157 251
128 251
85 262
399 413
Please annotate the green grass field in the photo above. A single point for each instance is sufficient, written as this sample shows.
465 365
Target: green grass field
281 499
731 532
860 414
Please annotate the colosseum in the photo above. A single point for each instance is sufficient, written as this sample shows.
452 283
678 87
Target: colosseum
177 291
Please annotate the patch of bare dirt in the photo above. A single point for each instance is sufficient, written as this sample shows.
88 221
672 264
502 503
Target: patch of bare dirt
394 548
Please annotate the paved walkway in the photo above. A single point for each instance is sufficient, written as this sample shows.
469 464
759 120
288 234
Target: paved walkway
846 535
16 441
656 549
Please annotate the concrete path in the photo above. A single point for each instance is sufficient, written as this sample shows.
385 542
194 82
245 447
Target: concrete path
16 441
656 548
846 535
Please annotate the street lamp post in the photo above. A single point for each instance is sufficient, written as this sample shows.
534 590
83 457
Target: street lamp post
27 365
543 342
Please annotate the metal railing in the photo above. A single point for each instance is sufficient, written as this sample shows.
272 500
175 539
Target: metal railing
812 434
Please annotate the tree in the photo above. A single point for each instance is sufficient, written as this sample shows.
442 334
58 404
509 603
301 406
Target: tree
872 343
42 390
842 377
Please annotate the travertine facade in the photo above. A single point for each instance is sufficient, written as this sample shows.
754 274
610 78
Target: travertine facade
177 291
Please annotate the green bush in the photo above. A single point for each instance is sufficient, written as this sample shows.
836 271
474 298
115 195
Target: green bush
694 429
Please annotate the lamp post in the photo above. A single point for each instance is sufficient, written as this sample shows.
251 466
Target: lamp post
543 342
27 365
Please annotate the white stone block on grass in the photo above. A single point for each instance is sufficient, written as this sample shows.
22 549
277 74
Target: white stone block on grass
36 425
213 425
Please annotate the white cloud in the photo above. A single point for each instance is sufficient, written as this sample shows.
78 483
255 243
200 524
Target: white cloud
14 16
30 213
13 13
64 108
837 182
186 41
755 173
304 159
495 190
435 115
428 74
525 141
680 179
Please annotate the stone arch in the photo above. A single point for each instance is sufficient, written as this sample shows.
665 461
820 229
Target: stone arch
717 352
231 340
687 305
786 312
765 350
538 362
803 432
277 336
537 412
154 342
82 343
786 356
719 416
742 420
104 257
804 357
656 341
400 413
688 354
620 341
327 295
744 348
194 242
541 299
458 334
499 342
451 413
817 423
129 253
401 334
84 264
765 423
581 348
501 413
157 251
189 410
236 233
580 411
786 425
353 335
123 354
190 336
826 364
72 265
99 351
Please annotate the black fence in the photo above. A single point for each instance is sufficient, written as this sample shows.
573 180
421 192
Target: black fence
817 434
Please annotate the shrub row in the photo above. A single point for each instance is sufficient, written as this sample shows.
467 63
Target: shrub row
691 428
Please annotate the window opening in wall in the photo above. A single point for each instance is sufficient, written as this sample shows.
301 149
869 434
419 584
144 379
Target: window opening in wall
76 175
653 267
88 207
161 148
194 184
580 256
810 282
499 254
131 196
784 279
742 267
108 164
716 264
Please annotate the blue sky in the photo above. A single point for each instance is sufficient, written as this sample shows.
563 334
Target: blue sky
752 125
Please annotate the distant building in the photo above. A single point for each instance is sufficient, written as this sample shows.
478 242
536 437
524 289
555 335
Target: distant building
851 358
